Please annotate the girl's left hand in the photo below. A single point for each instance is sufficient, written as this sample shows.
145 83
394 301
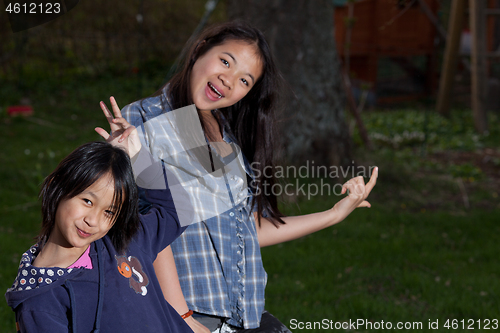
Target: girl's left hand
358 192
122 134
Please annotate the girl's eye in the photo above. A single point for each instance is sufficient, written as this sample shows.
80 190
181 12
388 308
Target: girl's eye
109 213
87 201
224 62
245 82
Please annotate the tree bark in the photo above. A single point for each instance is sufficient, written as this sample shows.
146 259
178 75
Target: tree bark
300 34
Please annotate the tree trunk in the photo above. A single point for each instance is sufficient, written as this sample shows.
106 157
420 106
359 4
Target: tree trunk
300 33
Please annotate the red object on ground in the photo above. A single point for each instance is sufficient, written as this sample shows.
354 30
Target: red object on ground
24 110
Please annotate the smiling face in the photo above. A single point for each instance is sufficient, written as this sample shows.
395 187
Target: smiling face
225 74
86 217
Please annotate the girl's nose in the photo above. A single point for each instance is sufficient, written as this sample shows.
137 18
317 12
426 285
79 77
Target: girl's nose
226 81
91 219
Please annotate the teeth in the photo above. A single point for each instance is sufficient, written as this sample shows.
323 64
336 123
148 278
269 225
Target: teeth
213 88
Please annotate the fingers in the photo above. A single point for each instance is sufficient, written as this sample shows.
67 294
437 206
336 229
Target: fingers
122 122
126 133
123 126
373 180
106 112
114 106
358 183
355 185
102 133
116 109
346 187
364 204
115 119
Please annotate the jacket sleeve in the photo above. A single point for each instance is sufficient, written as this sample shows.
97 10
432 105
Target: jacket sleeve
171 208
41 321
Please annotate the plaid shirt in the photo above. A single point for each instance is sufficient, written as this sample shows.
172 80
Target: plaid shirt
218 260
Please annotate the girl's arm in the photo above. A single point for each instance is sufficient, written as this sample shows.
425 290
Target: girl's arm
125 135
40 321
299 226
166 272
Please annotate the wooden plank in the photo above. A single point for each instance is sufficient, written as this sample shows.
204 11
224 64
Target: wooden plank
492 11
478 63
456 23
433 18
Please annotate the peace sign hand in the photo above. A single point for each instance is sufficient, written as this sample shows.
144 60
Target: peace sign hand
122 134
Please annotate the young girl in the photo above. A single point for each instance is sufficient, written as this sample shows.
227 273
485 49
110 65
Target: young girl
230 76
92 267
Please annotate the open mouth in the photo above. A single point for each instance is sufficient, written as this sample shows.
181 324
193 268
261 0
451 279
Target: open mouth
219 94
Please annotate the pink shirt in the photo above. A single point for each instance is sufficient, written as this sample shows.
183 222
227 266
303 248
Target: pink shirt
84 261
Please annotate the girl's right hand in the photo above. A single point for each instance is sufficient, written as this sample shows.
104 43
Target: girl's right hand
122 134
196 326
357 191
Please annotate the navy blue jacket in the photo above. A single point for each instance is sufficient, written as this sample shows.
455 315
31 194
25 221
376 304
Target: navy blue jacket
121 292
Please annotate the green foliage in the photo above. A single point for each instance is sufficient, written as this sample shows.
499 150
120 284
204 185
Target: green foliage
466 170
427 129
426 158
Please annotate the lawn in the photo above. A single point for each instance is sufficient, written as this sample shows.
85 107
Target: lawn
423 253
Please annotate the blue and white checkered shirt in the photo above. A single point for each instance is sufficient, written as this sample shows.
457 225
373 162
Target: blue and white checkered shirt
218 260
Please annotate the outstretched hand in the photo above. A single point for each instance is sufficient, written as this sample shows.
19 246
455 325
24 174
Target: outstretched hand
122 134
358 191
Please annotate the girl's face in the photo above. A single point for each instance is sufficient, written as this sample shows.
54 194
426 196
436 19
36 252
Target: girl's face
86 217
225 74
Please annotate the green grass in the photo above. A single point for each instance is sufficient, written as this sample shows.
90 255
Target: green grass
391 266
417 255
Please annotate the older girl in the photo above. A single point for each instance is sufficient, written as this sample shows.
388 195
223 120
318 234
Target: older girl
230 76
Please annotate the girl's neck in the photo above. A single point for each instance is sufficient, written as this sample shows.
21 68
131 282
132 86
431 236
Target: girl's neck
214 133
54 255
211 126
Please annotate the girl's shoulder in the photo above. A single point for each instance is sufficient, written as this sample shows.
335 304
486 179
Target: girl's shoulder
145 109
33 277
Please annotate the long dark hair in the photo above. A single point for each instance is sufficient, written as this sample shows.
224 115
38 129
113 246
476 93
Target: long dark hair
79 170
252 119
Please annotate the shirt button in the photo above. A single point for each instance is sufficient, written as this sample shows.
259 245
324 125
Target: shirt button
231 214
